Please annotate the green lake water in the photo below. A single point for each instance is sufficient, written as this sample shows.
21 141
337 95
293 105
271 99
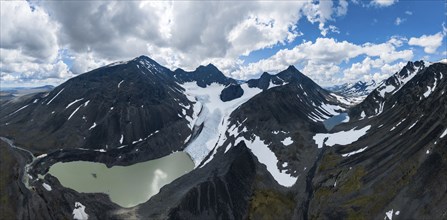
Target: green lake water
127 186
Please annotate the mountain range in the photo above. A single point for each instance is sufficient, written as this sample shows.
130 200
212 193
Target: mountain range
260 148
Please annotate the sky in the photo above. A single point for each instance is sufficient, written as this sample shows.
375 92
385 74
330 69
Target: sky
332 42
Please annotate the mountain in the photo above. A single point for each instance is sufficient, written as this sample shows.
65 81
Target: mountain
374 103
397 166
260 148
357 89
203 76
123 104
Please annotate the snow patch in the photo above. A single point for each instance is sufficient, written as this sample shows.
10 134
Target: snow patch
331 109
18 110
363 115
93 126
288 141
354 152
443 133
79 212
387 89
74 112
411 126
41 156
389 214
341 99
397 125
121 139
269 159
55 96
340 138
77 100
119 84
47 187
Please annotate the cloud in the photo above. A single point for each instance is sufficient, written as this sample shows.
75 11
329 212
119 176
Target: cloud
29 45
342 8
399 21
176 34
326 54
383 3
370 69
430 43
324 12
408 12
30 32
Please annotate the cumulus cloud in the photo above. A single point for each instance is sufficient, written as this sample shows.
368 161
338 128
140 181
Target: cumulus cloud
326 54
28 32
383 3
36 41
430 43
29 45
176 33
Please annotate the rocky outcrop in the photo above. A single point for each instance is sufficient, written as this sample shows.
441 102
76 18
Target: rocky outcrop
203 76
231 92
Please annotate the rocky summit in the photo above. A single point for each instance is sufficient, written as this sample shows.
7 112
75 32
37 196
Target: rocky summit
260 149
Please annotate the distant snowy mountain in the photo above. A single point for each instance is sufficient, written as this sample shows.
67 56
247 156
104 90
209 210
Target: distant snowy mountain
357 89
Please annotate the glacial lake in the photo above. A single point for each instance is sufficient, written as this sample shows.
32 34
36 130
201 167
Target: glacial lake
126 186
335 120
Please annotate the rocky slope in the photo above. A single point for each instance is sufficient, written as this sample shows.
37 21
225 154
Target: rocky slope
376 101
118 105
397 168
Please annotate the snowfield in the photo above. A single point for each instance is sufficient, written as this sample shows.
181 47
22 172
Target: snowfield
340 138
213 115
269 159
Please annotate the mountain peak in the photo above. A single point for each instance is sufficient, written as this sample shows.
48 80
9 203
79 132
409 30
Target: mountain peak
209 68
292 68
144 58
265 74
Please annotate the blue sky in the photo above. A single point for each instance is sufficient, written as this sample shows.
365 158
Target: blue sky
330 41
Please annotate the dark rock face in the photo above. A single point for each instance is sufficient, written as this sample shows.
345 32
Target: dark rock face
116 105
231 92
266 80
219 190
204 76
401 169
